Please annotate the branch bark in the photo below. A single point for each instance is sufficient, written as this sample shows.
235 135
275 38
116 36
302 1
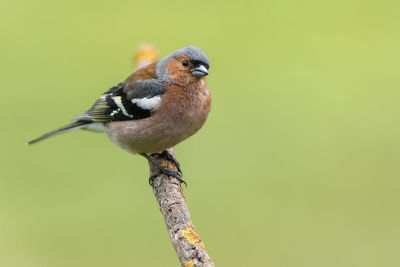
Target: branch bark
169 195
185 239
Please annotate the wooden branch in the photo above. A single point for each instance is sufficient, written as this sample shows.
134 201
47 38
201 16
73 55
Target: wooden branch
185 239
168 192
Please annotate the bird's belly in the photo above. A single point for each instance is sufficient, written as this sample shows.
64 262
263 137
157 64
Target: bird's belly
154 134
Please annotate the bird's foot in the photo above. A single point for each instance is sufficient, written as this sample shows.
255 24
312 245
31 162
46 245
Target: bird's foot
171 158
164 169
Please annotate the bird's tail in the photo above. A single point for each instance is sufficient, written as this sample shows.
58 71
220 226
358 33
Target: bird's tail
66 128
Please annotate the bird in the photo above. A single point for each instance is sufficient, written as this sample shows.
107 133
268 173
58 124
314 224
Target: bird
155 108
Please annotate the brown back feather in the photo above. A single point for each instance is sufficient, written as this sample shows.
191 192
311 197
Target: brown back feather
145 73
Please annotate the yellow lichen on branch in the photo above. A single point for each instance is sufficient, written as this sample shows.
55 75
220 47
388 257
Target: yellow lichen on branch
189 264
191 235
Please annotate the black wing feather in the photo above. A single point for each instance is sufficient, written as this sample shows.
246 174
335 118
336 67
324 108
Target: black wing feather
116 105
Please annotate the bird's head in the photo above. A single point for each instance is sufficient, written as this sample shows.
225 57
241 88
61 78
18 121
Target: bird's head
184 66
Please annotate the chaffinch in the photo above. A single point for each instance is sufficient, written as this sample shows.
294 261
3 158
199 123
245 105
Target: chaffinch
154 109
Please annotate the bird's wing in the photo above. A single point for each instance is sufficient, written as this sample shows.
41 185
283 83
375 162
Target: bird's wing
133 99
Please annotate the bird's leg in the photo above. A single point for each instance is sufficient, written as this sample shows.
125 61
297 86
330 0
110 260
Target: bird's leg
173 159
161 169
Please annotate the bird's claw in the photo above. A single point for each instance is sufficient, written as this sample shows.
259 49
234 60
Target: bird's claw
175 174
171 158
163 168
166 171
153 176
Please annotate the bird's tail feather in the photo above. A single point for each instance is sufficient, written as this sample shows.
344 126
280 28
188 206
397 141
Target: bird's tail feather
66 128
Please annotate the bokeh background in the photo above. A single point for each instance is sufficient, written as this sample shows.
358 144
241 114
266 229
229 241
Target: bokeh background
298 164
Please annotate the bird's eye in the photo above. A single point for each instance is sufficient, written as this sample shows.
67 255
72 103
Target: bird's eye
185 63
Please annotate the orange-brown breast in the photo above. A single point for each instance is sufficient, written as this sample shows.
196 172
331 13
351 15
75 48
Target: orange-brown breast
189 105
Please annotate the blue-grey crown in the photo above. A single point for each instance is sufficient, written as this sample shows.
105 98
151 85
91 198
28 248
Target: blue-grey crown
195 54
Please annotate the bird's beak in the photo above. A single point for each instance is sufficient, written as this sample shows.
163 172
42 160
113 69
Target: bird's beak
200 71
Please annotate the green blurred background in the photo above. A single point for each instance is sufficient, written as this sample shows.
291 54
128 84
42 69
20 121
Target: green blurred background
298 164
